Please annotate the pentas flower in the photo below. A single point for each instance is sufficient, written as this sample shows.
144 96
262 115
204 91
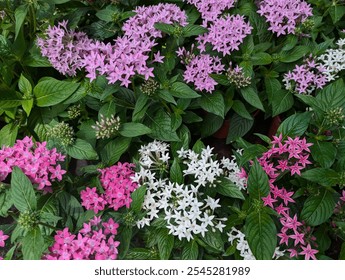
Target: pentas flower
64 48
284 15
210 10
3 238
287 155
95 241
199 69
225 34
305 78
117 188
36 161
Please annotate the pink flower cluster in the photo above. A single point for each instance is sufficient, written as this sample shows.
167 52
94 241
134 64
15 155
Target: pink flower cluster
210 10
64 48
128 56
35 160
284 15
117 185
3 237
225 34
198 71
288 155
95 241
306 78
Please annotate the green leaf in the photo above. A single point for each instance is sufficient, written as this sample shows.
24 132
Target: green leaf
51 91
134 129
22 191
33 245
333 95
214 240
241 110
8 135
213 103
336 12
161 126
138 198
20 15
193 30
227 188
166 28
250 95
272 86
190 251
281 102
70 205
295 54
181 90
165 243
107 14
9 98
317 209
6 202
176 174
24 85
342 252
211 124
114 150
140 108
221 79
125 238
324 176
261 235
258 184
166 95
239 126
295 125
82 149
27 106
261 58
324 153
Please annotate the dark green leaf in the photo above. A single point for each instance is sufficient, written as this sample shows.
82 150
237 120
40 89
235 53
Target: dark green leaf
324 176
193 30
114 150
324 153
161 126
165 243
221 79
176 174
295 54
281 102
241 110
181 90
20 15
239 126
22 191
166 28
213 103
214 240
295 125
227 188
261 58
250 95
134 129
190 251
317 209
258 184
8 135
138 198
82 149
6 202
33 245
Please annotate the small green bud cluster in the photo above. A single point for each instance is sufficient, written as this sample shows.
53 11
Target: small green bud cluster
149 87
335 117
237 77
28 220
107 127
74 111
62 132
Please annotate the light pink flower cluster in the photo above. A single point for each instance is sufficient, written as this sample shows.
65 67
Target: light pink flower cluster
64 48
284 15
3 238
305 78
117 185
95 241
288 155
120 61
35 160
210 10
198 71
225 34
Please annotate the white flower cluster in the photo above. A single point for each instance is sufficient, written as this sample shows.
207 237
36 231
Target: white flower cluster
243 247
233 172
184 207
333 60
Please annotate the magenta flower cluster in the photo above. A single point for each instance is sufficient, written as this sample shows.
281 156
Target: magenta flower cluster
64 48
117 188
304 79
119 62
198 71
95 241
225 34
289 155
3 238
284 15
210 10
36 161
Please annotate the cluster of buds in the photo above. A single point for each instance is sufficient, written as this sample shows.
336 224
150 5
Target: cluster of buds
62 132
107 127
334 116
237 77
28 220
74 111
149 87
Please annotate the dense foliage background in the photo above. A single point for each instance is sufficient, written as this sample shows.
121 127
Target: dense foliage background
172 129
